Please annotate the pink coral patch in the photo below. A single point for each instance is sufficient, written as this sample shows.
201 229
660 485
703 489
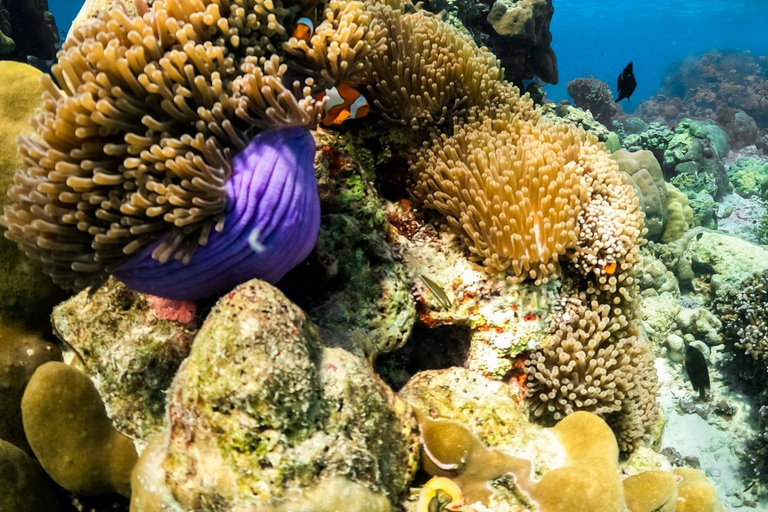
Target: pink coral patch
168 309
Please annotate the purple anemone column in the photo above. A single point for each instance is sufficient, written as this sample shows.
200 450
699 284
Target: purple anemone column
272 221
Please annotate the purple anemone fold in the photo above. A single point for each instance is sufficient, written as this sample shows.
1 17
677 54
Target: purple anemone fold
271 223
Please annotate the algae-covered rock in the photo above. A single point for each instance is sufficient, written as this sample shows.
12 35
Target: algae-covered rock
24 486
71 435
719 263
261 409
492 409
359 292
575 116
25 292
679 215
131 344
645 175
21 352
748 176
693 158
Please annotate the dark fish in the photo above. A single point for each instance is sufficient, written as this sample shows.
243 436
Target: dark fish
696 366
437 290
627 83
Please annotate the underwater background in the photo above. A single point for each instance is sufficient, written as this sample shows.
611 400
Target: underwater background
378 256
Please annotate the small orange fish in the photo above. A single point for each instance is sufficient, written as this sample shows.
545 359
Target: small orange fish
304 29
610 267
530 317
344 103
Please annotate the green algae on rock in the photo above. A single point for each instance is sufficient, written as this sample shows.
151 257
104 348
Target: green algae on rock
364 304
261 408
21 352
71 435
24 486
131 346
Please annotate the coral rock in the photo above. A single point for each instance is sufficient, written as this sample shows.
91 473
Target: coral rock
130 348
71 435
261 408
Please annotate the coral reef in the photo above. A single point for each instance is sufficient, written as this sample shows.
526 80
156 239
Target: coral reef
262 407
461 211
131 345
71 435
705 85
515 31
596 96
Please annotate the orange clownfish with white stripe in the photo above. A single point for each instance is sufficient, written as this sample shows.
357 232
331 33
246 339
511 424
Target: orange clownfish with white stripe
304 29
344 103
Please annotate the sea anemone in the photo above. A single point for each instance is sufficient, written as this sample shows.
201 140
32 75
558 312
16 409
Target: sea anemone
145 150
272 220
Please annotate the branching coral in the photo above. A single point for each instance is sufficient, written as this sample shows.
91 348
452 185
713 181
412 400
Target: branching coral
135 142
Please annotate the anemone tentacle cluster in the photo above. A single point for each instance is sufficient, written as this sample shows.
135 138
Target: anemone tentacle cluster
137 134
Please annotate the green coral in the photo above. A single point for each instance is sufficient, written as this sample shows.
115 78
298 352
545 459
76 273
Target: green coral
749 177
575 116
72 437
693 158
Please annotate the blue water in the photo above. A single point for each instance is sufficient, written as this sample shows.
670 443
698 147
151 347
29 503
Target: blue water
594 37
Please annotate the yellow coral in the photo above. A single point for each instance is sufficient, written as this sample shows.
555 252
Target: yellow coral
679 215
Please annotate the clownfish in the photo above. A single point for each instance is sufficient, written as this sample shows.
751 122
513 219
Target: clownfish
440 494
304 29
530 317
610 267
344 103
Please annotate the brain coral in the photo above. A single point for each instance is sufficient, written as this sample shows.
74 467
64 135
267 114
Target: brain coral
136 138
